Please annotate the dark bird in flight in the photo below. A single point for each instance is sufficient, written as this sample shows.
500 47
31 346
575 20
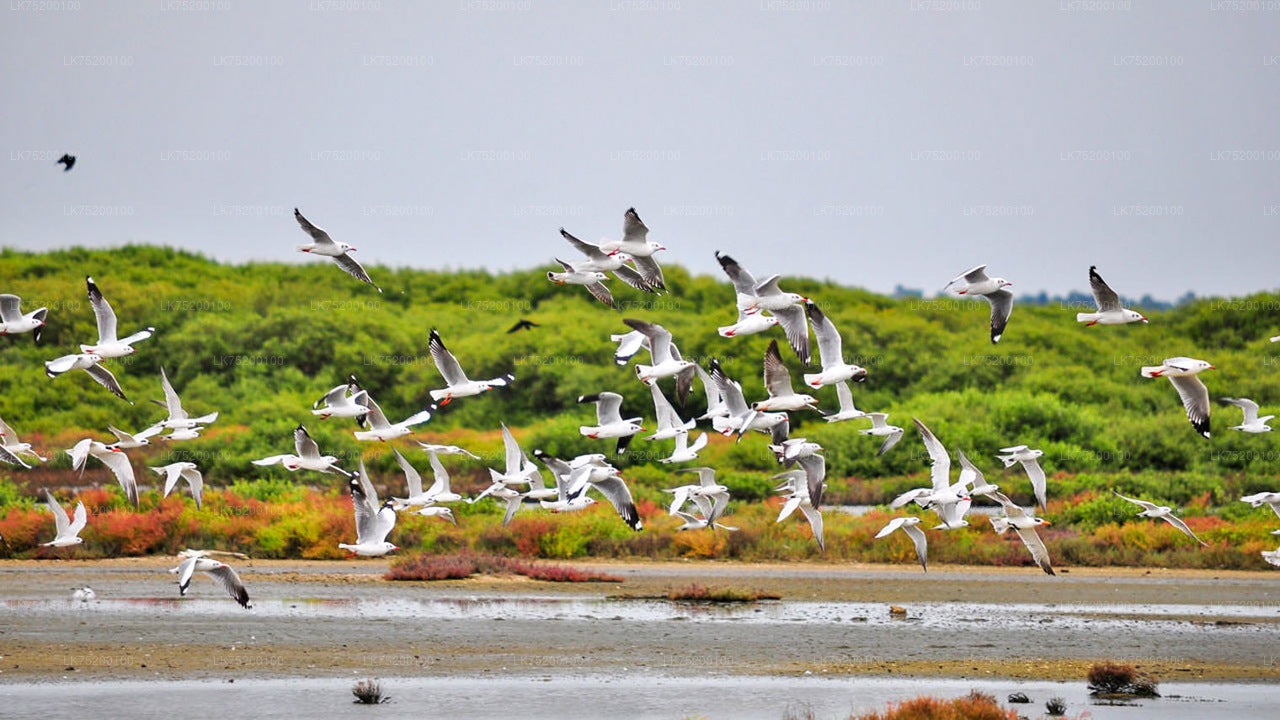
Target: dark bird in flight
68 160
523 325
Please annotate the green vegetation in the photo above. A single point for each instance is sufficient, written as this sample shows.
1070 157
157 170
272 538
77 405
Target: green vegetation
261 342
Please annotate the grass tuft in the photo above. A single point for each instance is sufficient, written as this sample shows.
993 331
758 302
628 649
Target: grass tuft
369 692
1109 678
460 565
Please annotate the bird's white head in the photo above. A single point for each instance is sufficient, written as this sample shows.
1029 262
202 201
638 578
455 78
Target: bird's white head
656 246
1134 316
346 248
597 276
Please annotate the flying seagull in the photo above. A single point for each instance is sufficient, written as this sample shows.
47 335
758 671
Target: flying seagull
108 345
601 261
1182 372
196 561
592 280
523 324
881 428
89 363
635 242
975 282
67 531
1030 461
609 421
114 459
1025 525
1251 423
777 380
1164 512
14 322
67 160
173 472
340 253
12 448
753 297
178 418
908 526
374 522
830 353
1109 310
307 456
458 385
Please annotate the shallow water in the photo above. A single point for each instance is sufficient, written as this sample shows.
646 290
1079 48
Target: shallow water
597 695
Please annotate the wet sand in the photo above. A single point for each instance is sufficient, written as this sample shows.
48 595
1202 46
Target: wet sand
318 619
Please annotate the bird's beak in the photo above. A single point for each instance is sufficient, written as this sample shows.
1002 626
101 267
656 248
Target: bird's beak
1046 522
1212 367
1143 319
1008 284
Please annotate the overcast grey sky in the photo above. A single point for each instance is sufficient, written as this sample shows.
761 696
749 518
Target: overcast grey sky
871 143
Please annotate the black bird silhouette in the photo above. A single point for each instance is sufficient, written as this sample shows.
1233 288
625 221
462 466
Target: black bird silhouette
523 325
68 160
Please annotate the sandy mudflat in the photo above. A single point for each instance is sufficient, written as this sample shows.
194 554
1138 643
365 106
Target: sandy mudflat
338 618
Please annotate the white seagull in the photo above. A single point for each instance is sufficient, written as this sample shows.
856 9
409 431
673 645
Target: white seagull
601 261
1024 524
178 418
127 441
635 242
307 456
196 561
685 451
830 352
114 459
777 380
108 346
793 449
517 469
975 282
665 362
344 401
89 363
1182 372
796 490
949 501
182 471
669 423
972 477
753 297
457 383
14 322
1252 423
1030 461
439 492
447 450
715 400
1164 512
382 429
570 491
1270 499
592 280
880 427
374 522
12 448
67 531
847 411
340 253
609 421
1109 310
908 526
739 417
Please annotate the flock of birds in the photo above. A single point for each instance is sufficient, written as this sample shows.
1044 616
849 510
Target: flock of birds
701 505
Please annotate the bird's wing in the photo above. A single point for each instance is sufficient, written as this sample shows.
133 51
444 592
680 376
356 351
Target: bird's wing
103 377
305 445
171 474
512 453
334 397
60 521
650 272
352 267
830 350
225 576
940 471
1249 407
10 308
446 363
632 277
794 324
663 410
814 516
185 570
366 512
1001 305
440 483
633 229
743 281
1178 523
890 441
815 472
969 473
608 408
1195 398
1140 503
730 390
777 378
894 524
1103 296
377 419
319 236
171 400
974 275
118 462
1039 553
411 476
659 338
195 481
922 544
102 311
600 292
593 252
513 504
615 489
79 521
1036 475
